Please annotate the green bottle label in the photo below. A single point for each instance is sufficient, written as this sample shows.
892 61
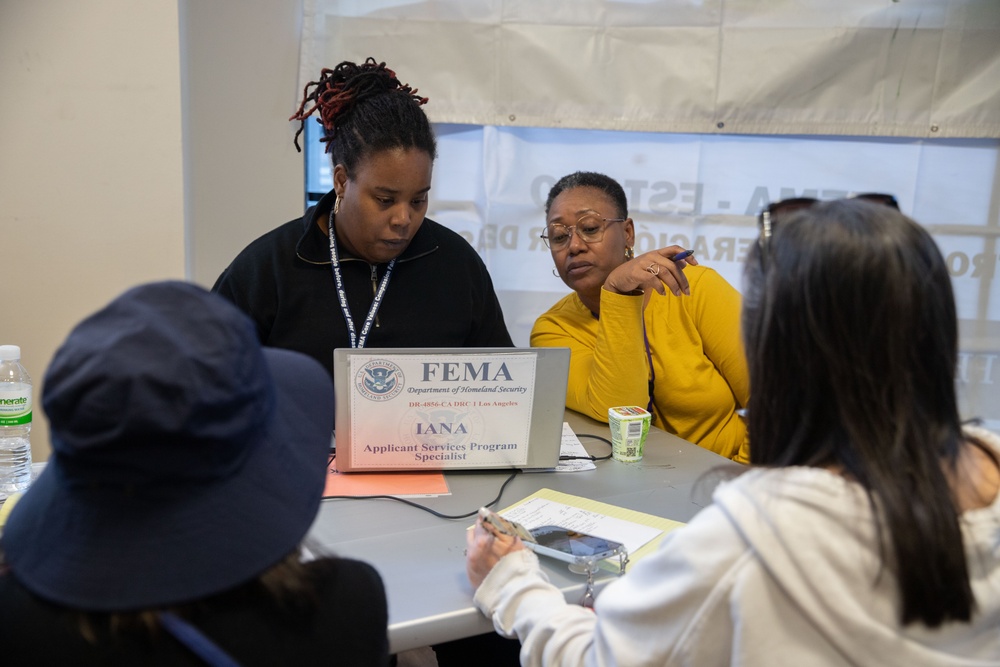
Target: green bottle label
15 406
15 420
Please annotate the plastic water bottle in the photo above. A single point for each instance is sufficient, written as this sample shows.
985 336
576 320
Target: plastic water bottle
15 422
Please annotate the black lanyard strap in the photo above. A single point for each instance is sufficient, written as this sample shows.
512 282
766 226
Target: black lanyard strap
356 341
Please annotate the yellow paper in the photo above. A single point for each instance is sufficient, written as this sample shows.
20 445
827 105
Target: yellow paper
597 507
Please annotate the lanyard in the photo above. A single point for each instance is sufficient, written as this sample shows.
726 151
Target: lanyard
342 295
196 641
652 373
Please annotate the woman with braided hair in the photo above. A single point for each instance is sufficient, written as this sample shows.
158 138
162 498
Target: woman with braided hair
364 267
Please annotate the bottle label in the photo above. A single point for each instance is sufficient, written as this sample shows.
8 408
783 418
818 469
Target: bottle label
15 408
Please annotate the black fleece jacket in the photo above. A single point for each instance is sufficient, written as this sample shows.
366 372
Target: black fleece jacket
440 293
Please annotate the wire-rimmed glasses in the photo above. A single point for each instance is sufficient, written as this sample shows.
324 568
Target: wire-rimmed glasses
772 213
590 227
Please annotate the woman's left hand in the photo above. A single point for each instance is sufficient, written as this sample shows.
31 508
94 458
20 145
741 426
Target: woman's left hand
485 547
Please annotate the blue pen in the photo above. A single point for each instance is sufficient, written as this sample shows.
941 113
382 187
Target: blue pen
682 255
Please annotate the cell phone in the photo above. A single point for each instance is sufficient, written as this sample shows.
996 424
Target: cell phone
505 526
572 546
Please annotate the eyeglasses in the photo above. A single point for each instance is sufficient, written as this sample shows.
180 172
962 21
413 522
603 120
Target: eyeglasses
589 227
782 209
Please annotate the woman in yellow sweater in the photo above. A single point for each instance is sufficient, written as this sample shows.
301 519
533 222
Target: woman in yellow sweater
655 330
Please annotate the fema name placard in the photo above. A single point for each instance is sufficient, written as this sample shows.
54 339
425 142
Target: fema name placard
426 411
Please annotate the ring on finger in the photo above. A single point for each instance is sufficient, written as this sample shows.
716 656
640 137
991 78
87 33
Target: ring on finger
654 268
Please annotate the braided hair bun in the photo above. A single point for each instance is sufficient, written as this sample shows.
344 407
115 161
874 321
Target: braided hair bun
364 108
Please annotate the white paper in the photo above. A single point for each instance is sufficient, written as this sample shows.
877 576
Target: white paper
540 512
571 446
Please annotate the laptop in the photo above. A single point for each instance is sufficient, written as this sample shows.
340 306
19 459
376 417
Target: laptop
449 408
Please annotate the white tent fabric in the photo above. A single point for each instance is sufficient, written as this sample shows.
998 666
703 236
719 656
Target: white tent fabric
703 192
785 76
913 68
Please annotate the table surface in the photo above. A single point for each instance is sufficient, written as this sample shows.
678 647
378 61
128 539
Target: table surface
421 557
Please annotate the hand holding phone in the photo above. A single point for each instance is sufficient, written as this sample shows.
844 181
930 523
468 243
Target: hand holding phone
505 526
555 541
484 549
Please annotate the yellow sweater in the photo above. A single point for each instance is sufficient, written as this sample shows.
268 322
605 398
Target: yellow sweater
700 369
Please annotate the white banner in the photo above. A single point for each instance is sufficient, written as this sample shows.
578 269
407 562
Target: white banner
704 191
920 68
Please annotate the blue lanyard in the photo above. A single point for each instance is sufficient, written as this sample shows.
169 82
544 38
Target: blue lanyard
649 356
342 295
196 641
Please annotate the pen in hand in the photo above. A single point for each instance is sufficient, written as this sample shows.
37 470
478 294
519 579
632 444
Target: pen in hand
682 255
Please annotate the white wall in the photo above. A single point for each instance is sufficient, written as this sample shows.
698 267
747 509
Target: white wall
128 130
91 188
244 176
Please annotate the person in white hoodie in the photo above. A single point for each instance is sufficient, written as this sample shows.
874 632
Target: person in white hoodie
867 530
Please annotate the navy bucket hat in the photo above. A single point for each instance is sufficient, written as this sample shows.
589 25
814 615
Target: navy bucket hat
186 459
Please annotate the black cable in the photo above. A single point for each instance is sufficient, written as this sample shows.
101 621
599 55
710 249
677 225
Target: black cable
493 502
589 458
489 504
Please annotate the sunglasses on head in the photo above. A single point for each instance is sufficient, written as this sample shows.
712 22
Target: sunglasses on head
772 213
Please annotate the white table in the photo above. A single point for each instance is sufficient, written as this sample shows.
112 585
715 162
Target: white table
421 557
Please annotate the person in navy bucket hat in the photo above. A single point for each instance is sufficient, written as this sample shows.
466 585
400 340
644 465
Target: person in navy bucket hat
188 463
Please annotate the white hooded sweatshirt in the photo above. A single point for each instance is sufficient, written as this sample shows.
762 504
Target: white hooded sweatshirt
783 569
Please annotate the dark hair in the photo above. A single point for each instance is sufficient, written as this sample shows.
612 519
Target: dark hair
287 586
590 179
365 109
851 340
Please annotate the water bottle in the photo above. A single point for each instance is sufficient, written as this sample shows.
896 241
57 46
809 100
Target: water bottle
15 422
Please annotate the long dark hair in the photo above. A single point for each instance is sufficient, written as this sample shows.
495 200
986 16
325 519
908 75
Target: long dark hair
365 109
851 337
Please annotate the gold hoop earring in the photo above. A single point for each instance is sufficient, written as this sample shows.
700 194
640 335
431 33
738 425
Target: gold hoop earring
336 205
629 253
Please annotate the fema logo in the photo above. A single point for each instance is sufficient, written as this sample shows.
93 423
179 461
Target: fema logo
379 380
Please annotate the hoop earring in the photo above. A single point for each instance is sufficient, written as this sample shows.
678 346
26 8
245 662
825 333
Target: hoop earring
336 205
629 253
555 273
